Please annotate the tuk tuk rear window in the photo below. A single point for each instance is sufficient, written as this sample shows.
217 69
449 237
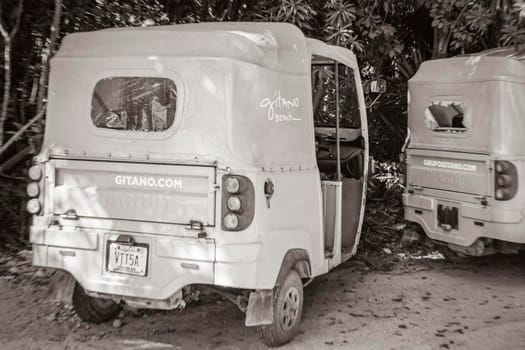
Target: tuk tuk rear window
445 116
145 104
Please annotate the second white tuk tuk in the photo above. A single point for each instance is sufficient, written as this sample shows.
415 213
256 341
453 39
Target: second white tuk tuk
226 155
465 160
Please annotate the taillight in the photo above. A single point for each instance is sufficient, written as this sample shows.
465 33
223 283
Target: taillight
238 202
402 169
505 180
230 222
33 206
33 189
232 184
234 203
35 173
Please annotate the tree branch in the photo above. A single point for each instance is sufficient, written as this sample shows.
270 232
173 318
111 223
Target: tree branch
47 53
17 158
8 38
18 20
21 131
3 29
456 21
55 27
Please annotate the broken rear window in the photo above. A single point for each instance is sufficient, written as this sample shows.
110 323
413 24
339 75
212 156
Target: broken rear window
134 103
445 116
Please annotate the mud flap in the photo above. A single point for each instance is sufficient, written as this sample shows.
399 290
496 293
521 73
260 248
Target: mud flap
260 308
62 287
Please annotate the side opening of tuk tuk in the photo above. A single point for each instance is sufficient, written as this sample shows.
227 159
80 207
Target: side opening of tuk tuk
341 152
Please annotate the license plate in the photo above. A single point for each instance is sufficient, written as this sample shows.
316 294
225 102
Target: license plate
447 217
128 259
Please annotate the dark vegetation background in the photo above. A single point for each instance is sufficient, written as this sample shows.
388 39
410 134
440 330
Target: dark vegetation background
391 38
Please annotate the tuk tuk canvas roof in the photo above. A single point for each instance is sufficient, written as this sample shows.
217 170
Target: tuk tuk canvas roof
501 65
244 94
490 85
278 46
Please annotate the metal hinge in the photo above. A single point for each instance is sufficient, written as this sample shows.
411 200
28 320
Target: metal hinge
70 214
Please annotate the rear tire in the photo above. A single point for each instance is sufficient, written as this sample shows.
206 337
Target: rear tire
93 310
287 311
453 256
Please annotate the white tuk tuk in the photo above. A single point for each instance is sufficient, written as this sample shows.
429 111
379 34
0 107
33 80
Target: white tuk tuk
230 156
466 154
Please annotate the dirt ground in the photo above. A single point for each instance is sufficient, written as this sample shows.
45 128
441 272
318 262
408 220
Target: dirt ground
406 303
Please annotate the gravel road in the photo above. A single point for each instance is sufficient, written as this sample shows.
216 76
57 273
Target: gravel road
405 303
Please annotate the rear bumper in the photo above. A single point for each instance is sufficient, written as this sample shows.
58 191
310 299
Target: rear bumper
474 220
173 262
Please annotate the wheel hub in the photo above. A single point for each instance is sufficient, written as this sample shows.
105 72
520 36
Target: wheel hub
290 309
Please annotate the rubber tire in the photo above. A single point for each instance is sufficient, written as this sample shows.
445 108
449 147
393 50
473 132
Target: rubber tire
452 256
93 310
274 335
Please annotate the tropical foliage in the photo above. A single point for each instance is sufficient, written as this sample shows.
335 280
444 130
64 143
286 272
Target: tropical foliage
391 38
